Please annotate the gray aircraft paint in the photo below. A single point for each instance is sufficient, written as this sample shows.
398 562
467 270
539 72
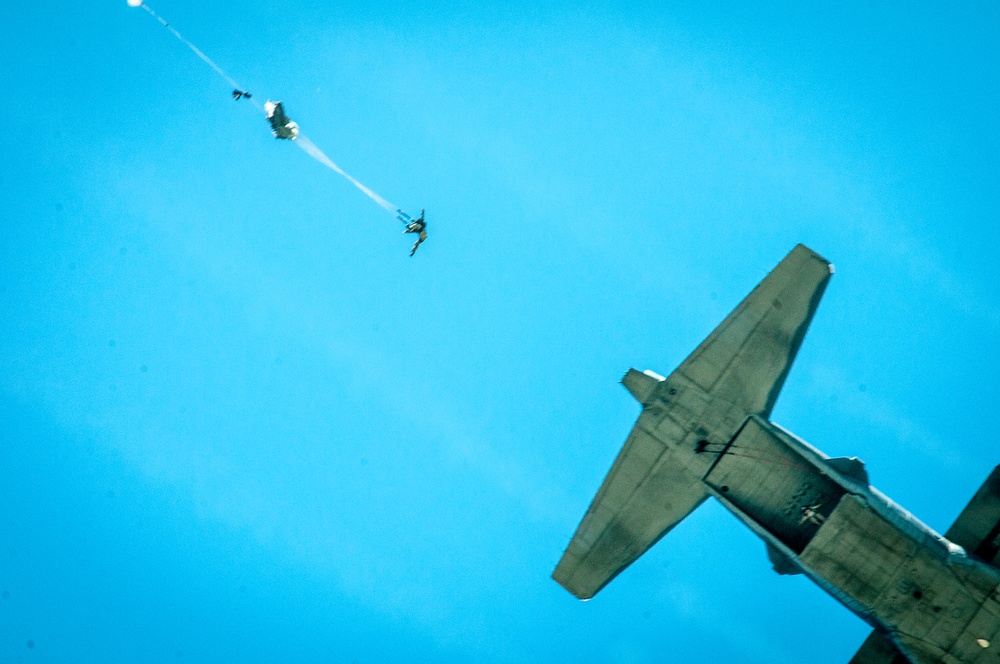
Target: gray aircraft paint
704 431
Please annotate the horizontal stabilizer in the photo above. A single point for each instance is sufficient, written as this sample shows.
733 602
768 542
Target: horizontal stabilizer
631 512
746 359
977 528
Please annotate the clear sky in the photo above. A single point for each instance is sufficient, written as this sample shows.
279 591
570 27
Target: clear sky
239 424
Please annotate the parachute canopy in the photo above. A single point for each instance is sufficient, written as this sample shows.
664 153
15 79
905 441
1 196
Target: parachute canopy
281 126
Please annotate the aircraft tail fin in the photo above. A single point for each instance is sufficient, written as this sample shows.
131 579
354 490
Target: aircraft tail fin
642 384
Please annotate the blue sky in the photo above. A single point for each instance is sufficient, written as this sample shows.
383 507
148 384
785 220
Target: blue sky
238 423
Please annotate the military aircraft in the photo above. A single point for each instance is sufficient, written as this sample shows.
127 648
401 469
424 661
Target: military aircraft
705 431
281 126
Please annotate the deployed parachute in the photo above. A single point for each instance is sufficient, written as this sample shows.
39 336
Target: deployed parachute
281 126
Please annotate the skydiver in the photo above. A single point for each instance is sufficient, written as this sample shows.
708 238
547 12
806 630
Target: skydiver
417 226
241 93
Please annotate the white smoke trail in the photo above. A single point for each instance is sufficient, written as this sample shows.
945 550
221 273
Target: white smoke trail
307 146
197 51
310 149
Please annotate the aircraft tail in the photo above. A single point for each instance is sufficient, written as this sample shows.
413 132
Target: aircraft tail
687 419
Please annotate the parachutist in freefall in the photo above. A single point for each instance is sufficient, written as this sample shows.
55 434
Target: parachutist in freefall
417 226
241 93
